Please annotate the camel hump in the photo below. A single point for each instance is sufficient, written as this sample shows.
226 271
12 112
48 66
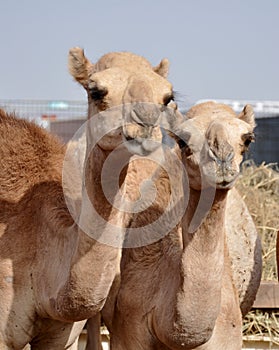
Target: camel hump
28 155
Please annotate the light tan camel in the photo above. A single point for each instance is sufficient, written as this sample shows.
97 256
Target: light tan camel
179 293
243 242
54 275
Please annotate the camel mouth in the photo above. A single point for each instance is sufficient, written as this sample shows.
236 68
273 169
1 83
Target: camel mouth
141 139
140 146
225 184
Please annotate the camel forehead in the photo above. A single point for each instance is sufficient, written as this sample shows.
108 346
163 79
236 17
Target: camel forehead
124 60
227 125
112 74
110 77
207 109
116 79
211 114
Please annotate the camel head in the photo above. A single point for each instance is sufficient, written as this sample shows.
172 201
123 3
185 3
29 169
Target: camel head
214 140
128 85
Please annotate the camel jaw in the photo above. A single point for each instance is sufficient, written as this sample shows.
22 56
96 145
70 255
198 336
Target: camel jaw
225 185
222 182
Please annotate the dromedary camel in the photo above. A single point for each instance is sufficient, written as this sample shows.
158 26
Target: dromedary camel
54 275
179 293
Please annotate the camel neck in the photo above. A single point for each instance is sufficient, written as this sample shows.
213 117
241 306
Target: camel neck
202 264
95 248
102 183
205 213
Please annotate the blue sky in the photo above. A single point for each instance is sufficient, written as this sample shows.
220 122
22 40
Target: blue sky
217 48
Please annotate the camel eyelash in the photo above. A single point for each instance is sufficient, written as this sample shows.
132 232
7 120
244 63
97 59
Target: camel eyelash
168 99
248 138
98 94
181 143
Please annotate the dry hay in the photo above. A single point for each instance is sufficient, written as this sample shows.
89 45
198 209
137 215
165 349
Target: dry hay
259 187
262 323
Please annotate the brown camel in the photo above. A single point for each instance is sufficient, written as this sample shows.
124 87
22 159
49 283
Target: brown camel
179 293
54 275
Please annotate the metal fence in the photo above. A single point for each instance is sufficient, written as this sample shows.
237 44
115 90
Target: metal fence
61 117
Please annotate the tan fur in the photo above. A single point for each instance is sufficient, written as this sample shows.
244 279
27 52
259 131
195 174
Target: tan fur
179 293
53 276
245 253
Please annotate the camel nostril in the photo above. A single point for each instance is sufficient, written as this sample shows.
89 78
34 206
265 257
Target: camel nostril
212 155
220 155
230 157
146 114
129 138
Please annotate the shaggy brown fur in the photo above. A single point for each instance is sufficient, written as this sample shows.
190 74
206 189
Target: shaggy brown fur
32 202
36 156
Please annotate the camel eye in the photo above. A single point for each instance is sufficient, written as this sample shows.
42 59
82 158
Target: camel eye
97 94
181 143
168 99
247 143
247 139
186 150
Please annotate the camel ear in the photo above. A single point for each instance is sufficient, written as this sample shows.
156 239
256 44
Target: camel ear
248 116
79 66
162 68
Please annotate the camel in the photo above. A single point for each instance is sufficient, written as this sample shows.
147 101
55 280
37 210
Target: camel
56 271
180 292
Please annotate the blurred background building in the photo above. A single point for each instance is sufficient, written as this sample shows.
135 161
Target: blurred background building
63 118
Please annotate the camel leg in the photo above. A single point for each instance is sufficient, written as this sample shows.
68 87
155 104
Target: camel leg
93 326
58 336
135 334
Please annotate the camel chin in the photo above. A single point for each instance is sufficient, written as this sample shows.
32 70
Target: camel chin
140 139
141 147
222 182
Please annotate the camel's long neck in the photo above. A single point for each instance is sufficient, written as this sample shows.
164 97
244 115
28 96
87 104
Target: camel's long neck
202 265
95 259
102 184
